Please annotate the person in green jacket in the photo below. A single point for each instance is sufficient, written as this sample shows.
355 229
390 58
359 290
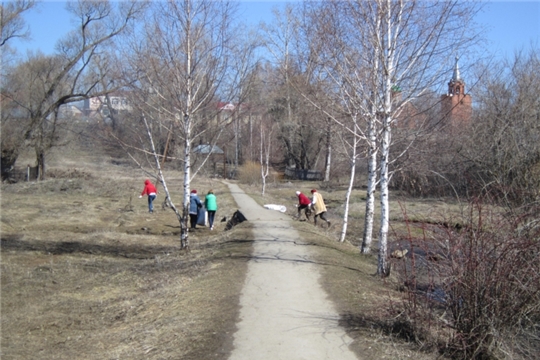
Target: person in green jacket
210 202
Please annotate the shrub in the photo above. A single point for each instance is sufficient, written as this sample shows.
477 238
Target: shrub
250 173
477 286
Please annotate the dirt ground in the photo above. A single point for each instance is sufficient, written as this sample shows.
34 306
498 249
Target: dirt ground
88 273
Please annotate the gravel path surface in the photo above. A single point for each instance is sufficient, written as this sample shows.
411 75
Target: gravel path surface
285 314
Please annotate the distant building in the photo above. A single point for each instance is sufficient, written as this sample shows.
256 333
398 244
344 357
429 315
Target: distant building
456 105
70 111
408 116
227 111
104 105
226 106
207 149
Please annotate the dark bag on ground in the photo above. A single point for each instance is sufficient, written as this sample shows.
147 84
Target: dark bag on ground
236 219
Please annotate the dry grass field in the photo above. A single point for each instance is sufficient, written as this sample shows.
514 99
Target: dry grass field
88 273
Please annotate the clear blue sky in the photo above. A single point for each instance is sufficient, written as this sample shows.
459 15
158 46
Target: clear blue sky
510 25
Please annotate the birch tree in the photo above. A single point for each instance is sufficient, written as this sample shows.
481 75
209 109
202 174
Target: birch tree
185 64
344 68
374 47
351 147
264 152
415 42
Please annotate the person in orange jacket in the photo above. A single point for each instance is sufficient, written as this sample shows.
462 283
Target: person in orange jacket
150 190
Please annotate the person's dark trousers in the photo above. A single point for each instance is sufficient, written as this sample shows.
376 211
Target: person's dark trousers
322 215
305 208
193 220
211 215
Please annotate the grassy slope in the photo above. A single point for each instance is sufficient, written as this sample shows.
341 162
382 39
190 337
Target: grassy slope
88 273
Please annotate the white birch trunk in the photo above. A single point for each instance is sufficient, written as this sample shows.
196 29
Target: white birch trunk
236 142
385 209
264 157
372 148
349 189
184 239
184 234
263 175
328 153
371 186
382 266
161 178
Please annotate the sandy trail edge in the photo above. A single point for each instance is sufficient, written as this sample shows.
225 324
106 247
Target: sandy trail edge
285 314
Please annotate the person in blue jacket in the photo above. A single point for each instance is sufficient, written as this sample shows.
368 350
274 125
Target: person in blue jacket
210 202
194 206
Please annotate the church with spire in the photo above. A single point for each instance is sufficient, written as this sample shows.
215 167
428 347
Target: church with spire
456 105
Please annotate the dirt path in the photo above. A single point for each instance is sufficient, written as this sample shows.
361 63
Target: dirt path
285 314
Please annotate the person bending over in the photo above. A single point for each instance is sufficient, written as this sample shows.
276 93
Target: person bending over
317 203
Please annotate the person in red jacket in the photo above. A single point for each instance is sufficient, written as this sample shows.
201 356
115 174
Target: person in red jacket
303 203
150 190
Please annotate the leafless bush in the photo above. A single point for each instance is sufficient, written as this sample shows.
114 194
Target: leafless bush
250 173
474 289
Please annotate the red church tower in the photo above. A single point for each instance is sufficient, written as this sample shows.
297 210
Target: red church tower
456 106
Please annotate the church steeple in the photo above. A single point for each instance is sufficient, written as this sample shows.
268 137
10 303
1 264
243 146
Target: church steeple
456 76
456 106
456 86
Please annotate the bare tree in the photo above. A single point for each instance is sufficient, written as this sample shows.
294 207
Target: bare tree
184 64
415 39
376 47
351 147
344 69
501 152
265 151
66 77
302 127
12 24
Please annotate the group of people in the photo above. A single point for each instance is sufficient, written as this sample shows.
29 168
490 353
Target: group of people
316 204
195 204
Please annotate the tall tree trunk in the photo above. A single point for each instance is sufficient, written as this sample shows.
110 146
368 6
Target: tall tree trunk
372 143
40 157
250 137
371 186
328 151
382 266
161 178
184 238
265 156
236 142
350 188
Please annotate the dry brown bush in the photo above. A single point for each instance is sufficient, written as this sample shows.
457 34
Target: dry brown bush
250 173
473 289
